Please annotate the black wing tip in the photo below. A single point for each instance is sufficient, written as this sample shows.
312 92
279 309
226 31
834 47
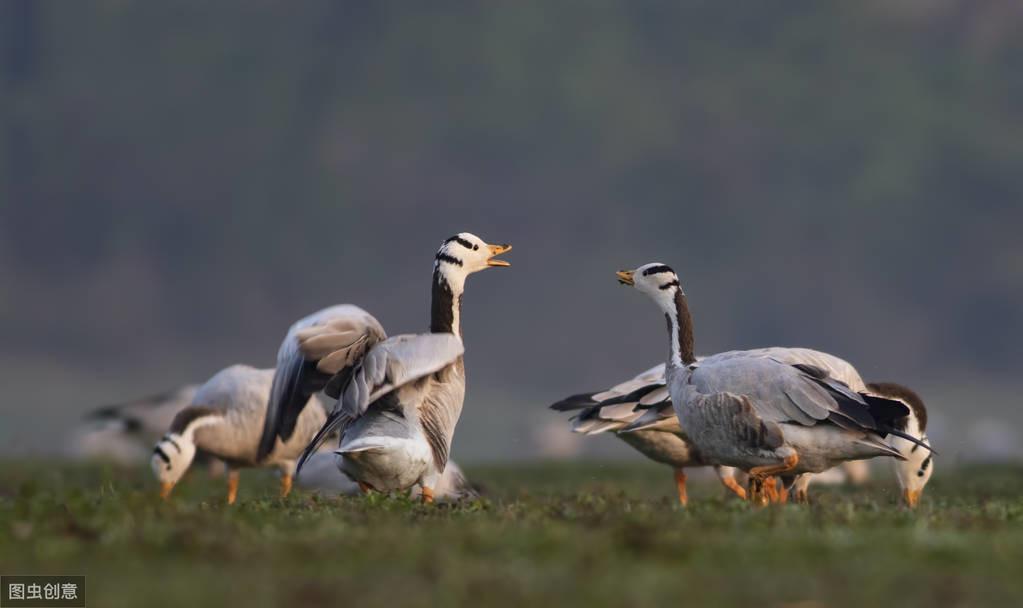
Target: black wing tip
574 402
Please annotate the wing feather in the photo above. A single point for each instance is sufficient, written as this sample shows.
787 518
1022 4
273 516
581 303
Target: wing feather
315 348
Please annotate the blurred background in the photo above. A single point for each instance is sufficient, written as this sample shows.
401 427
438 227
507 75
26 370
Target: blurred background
180 182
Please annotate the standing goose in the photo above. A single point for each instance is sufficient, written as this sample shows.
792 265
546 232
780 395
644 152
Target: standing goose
639 411
760 414
224 420
399 398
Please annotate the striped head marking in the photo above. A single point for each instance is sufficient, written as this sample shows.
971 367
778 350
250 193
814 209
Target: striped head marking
466 253
172 456
656 280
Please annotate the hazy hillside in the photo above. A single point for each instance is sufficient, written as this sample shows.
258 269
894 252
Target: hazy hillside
179 182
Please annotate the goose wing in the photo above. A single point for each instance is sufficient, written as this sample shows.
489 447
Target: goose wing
391 364
801 393
617 407
315 349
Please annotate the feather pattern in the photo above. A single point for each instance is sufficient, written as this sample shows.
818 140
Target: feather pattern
315 348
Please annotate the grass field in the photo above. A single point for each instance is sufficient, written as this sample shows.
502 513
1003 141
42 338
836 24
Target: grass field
556 534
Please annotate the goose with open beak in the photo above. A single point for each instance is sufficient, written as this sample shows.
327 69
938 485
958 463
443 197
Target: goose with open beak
398 399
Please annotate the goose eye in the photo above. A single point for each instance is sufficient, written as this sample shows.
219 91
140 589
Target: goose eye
475 247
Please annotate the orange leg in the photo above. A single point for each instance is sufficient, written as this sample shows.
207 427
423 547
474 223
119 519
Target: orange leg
427 495
680 483
766 471
232 486
286 481
734 486
764 474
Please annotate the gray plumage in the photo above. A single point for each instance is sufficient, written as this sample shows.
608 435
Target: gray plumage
238 397
762 413
399 398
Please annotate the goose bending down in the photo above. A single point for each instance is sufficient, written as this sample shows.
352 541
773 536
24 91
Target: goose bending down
321 474
760 414
916 466
640 412
124 433
225 420
398 398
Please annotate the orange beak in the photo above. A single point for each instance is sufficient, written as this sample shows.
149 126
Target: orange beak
625 277
912 497
165 489
496 250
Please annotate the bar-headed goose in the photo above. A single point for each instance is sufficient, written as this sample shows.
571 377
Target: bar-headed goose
760 414
640 412
399 398
915 467
224 421
915 471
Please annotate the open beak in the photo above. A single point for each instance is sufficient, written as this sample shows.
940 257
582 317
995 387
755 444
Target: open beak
496 250
625 277
912 497
165 489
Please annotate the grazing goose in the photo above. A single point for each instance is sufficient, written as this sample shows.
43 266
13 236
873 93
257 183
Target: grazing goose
639 411
915 471
758 413
124 433
321 474
224 420
399 398
915 467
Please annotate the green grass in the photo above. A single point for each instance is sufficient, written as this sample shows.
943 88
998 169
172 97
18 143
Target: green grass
545 535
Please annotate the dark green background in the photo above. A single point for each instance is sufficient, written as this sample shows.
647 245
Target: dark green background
179 182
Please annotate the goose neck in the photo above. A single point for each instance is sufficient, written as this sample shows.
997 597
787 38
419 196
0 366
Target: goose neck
446 304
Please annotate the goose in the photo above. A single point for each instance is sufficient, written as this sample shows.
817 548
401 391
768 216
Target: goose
916 466
321 474
124 433
224 420
398 398
758 413
639 411
662 441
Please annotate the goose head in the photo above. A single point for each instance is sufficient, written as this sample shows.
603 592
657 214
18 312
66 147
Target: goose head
656 280
915 471
466 253
171 458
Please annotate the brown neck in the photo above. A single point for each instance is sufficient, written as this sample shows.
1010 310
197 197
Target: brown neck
680 332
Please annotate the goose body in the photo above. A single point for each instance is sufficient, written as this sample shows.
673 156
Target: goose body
762 414
225 421
640 412
399 398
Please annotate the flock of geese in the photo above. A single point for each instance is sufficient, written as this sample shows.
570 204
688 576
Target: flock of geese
767 420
